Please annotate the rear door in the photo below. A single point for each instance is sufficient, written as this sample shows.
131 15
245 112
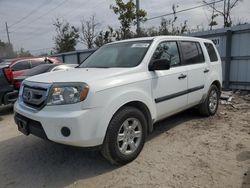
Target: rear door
169 86
193 59
20 67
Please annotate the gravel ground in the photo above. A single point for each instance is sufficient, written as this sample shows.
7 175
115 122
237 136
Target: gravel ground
186 150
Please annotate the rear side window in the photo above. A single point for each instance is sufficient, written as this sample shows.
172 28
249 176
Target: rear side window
211 52
21 65
35 63
191 52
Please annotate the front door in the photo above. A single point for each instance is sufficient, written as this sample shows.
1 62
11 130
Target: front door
169 86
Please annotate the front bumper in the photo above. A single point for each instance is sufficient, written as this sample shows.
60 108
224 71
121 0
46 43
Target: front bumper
83 124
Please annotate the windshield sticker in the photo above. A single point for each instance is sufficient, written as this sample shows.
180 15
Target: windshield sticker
140 45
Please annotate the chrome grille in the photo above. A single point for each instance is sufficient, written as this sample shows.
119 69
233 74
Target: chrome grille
35 96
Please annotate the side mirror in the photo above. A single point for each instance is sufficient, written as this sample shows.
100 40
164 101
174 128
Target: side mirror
159 64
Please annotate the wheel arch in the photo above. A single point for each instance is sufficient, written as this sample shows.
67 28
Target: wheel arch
144 109
138 99
218 85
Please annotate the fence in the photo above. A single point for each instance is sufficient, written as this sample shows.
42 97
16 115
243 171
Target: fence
75 57
233 45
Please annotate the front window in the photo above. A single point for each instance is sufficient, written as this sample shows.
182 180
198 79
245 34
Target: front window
124 54
167 50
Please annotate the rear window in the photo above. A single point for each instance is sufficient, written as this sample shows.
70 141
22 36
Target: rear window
211 52
192 52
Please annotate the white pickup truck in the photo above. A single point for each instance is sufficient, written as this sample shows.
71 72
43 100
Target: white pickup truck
113 99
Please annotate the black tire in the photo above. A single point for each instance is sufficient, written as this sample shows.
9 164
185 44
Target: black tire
111 148
204 108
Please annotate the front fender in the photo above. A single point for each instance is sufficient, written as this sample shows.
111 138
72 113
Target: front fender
120 97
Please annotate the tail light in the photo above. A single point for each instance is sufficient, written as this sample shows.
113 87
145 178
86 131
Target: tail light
8 74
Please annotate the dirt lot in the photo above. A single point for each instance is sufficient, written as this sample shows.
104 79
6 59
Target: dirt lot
184 151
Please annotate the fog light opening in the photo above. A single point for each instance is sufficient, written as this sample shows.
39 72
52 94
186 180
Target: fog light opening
65 131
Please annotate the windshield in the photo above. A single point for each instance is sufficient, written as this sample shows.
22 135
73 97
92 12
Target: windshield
124 54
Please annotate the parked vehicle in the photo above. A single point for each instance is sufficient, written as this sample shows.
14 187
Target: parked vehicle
12 68
20 66
6 89
40 69
113 99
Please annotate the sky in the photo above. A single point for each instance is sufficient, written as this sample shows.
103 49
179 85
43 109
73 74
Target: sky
30 22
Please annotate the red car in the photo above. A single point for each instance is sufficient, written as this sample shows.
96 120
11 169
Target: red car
19 66
12 68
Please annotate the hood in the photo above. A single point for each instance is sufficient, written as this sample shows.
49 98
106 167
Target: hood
86 75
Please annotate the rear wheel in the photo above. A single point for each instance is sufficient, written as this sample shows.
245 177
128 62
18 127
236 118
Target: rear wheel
210 105
125 136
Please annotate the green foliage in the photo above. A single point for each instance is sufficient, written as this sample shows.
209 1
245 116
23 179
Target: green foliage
88 32
167 26
127 16
6 50
224 11
23 53
105 37
67 36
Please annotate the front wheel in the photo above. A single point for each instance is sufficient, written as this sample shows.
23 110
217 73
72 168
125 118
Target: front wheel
210 105
125 136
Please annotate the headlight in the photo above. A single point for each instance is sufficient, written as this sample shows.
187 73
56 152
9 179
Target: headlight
67 93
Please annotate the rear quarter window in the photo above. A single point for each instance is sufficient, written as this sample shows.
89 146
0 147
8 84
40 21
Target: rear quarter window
35 63
211 52
191 52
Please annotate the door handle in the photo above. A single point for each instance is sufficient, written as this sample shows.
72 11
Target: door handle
206 71
182 76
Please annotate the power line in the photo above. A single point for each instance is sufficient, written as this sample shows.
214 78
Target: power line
184 10
36 35
43 31
46 13
29 14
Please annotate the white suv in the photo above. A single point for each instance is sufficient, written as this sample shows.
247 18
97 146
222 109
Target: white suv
114 98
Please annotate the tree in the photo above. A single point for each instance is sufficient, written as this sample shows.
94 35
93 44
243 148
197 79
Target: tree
23 53
225 12
6 50
149 32
107 36
88 32
213 16
67 36
127 16
168 26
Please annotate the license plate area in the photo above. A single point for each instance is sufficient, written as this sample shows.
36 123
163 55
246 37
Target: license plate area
22 125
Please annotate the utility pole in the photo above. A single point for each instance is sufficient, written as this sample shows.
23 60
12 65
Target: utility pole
7 31
212 21
137 17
